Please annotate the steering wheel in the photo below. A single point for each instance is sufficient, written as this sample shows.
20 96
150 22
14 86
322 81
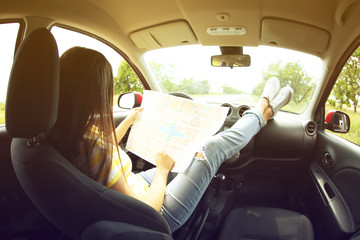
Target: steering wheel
181 94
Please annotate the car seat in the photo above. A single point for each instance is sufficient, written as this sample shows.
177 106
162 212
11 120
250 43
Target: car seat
75 203
266 223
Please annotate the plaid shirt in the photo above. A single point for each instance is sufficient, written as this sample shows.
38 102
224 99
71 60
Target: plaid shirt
136 182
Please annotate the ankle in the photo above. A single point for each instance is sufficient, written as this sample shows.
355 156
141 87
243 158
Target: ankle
264 108
268 113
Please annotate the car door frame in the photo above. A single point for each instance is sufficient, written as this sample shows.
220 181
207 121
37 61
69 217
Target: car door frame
334 171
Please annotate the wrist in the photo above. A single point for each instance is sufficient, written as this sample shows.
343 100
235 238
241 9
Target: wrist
163 171
125 124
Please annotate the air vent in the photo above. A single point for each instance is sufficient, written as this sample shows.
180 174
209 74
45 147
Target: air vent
242 109
230 108
310 128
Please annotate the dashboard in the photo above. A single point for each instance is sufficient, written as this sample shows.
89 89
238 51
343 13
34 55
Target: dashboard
286 139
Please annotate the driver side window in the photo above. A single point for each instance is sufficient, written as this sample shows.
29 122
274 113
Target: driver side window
125 78
8 33
345 96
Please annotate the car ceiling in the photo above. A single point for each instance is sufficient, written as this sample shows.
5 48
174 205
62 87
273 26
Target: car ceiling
314 26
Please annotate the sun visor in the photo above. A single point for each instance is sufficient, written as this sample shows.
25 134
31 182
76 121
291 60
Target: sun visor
294 35
164 35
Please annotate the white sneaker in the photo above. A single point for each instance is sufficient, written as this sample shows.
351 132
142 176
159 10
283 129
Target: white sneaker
283 98
271 88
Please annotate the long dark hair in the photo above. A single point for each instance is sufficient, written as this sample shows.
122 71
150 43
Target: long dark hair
86 96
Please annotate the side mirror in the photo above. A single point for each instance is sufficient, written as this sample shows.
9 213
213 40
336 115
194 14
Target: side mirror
337 121
130 100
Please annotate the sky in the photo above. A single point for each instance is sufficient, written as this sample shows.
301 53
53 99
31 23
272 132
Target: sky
195 63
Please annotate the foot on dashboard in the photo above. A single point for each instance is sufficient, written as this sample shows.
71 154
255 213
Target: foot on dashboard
284 97
271 88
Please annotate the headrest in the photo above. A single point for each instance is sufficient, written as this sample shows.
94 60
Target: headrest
33 90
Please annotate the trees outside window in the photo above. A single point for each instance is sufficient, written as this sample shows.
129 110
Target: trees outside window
125 78
345 96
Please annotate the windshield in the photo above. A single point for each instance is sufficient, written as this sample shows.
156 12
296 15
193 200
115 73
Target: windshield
188 69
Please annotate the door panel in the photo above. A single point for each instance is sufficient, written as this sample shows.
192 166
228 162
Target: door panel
335 172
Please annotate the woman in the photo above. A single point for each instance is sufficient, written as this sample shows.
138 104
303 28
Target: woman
85 134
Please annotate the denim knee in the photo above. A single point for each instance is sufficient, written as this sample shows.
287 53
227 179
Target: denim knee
215 153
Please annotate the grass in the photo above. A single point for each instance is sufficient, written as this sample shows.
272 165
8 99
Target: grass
2 113
2 117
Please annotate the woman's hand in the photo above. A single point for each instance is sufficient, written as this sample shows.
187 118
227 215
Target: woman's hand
164 162
126 123
155 195
130 118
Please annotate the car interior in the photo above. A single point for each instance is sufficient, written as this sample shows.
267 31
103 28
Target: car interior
296 179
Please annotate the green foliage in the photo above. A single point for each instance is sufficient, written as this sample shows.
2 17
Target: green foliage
127 80
346 95
291 74
257 91
168 86
230 90
190 86
187 85
2 113
163 75
346 91
332 102
2 106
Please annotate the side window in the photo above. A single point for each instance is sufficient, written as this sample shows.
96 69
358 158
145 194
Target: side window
345 96
125 79
8 33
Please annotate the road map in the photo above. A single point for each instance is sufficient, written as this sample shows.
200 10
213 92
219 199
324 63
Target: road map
175 125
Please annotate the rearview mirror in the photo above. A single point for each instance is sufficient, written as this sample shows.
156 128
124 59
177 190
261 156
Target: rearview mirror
230 60
231 57
130 100
337 121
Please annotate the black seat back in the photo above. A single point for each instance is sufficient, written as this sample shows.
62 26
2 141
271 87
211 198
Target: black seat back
71 200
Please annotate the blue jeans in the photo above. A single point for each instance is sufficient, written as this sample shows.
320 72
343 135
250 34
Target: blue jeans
185 190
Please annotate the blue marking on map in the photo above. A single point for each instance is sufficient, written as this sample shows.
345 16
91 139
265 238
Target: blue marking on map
171 132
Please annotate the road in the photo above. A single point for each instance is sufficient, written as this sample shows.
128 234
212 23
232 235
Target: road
244 99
